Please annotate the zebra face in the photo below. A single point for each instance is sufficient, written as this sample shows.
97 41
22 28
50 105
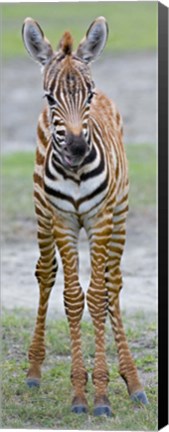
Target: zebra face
68 85
69 90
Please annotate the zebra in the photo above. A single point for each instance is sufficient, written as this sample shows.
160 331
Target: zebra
80 180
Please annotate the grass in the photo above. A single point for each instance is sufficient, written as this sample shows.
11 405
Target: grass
17 192
17 182
133 26
142 160
49 407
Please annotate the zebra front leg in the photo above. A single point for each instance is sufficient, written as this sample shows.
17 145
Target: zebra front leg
46 269
97 300
74 306
127 368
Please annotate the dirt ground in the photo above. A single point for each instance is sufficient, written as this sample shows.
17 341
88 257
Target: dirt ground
129 79
19 286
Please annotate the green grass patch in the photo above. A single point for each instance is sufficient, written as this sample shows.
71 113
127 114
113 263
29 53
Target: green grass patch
17 183
17 186
49 407
133 26
142 161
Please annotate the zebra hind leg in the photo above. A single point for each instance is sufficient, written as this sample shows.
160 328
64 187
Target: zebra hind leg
46 269
127 368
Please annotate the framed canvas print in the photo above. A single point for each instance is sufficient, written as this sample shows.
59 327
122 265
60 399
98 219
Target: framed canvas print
84 253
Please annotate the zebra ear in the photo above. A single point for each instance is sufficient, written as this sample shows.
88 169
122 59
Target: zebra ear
35 42
94 42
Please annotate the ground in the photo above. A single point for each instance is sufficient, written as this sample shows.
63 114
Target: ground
19 286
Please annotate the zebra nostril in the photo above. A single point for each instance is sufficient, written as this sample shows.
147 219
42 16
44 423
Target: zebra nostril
68 139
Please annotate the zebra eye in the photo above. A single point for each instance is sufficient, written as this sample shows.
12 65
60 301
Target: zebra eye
51 100
89 98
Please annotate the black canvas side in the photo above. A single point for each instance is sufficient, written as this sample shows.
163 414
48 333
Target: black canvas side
163 214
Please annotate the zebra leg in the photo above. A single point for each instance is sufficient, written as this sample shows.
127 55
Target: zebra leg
46 269
97 300
127 368
74 306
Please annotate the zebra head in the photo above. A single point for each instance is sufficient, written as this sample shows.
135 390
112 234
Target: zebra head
68 85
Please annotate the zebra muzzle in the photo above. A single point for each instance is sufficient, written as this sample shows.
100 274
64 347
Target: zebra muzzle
75 149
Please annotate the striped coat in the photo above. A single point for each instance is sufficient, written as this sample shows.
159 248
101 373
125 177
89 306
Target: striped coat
80 180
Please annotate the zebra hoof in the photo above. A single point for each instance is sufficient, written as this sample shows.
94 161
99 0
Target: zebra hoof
102 410
140 397
33 382
79 405
79 409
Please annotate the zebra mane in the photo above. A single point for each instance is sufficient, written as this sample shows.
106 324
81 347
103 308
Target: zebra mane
66 43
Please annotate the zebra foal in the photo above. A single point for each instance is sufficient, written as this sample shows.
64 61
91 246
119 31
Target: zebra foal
80 180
